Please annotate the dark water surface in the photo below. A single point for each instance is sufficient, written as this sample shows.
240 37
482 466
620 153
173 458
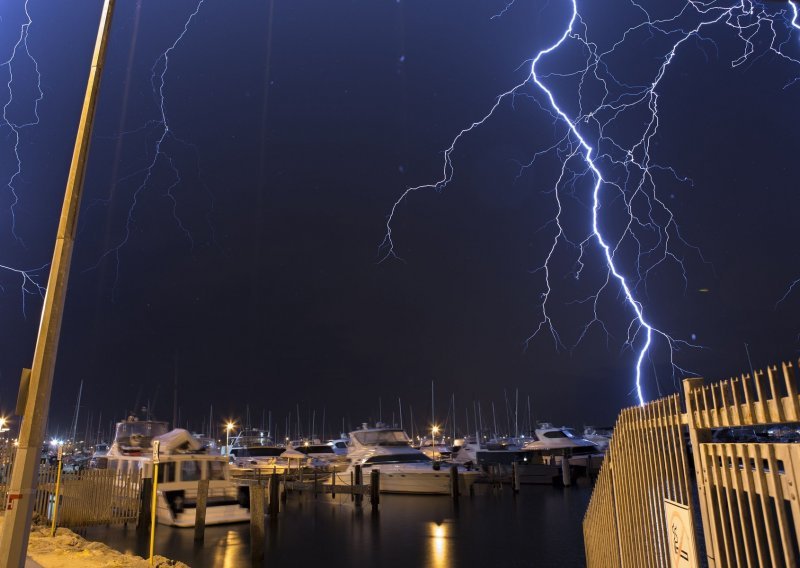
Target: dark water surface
540 527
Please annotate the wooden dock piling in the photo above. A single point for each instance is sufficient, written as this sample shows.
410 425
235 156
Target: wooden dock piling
375 489
274 495
145 497
359 480
257 523
515 478
566 473
200 511
454 489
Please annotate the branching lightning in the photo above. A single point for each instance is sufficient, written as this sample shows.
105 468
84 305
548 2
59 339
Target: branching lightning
606 143
15 122
160 155
16 125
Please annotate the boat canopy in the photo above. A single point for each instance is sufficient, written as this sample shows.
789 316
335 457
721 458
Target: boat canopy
178 441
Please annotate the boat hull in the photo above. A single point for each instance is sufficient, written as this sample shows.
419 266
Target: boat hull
427 481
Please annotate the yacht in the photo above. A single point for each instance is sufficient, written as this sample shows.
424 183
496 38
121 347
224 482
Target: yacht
322 457
467 452
339 445
182 463
403 469
435 450
550 444
258 459
600 436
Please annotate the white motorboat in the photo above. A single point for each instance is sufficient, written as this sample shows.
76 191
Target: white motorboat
467 452
435 450
403 469
551 444
339 445
182 463
263 460
600 436
322 457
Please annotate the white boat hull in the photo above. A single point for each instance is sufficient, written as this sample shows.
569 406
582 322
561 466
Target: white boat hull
215 515
397 478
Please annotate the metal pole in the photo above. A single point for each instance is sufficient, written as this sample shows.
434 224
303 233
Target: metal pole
21 489
58 487
154 502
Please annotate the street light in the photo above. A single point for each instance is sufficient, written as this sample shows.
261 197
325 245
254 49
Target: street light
434 431
228 427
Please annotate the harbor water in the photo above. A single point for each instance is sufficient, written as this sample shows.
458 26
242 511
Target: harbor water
539 527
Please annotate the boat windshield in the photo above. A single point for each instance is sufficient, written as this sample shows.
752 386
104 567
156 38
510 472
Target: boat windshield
381 437
398 458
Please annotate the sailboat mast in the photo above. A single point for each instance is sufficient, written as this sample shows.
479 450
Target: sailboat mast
77 411
400 406
175 390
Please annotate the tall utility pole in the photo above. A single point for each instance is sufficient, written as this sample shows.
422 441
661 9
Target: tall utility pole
22 488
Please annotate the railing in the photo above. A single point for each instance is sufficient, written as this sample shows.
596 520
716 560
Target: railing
89 497
645 505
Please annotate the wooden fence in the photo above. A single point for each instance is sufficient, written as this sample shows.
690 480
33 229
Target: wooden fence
739 502
89 497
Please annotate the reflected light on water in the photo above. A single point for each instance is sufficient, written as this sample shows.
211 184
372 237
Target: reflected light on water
228 550
439 551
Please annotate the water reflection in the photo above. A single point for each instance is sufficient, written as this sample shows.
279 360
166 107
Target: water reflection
228 550
540 527
439 535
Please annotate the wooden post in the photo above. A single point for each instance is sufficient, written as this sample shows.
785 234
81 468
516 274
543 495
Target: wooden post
257 523
454 482
21 488
315 484
145 496
359 482
566 472
283 494
375 489
200 511
515 475
333 485
274 495
352 484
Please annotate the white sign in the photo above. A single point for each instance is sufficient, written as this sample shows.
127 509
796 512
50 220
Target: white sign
680 535
156 443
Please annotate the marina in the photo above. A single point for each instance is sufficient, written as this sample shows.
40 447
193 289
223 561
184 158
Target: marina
404 283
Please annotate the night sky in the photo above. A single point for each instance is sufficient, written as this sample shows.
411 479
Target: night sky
296 125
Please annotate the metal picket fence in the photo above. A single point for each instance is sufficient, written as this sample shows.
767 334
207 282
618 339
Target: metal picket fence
738 501
88 497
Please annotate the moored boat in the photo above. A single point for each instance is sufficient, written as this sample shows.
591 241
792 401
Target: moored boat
182 463
403 469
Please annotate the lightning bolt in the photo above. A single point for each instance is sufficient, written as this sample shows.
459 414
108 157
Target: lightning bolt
16 126
29 279
590 149
160 155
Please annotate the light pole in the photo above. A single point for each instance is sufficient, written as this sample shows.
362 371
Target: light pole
228 427
434 431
